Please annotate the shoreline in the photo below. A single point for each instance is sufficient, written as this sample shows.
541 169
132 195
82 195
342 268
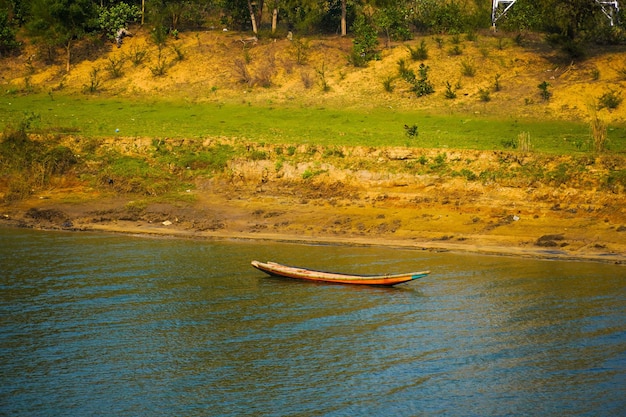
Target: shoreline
470 245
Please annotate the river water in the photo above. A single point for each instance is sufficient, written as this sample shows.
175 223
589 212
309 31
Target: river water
109 325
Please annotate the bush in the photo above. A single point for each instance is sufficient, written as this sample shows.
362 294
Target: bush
450 92
8 42
610 100
365 42
423 86
420 53
115 17
543 91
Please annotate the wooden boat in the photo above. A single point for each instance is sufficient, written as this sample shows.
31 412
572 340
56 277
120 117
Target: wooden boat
278 270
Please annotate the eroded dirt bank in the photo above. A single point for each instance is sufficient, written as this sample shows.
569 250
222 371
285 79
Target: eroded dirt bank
429 199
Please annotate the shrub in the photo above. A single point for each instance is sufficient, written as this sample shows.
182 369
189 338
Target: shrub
365 42
467 68
8 42
411 131
300 50
94 81
112 18
450 92
388 84
114 66
455 50
484 95
496 85
405 72
543 91
137 55
420 53
610 100
423 86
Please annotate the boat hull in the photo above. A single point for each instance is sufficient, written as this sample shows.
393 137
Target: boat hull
284 271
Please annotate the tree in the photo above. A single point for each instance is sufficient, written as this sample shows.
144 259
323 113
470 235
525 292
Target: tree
8 43
61 22
344 23
111 19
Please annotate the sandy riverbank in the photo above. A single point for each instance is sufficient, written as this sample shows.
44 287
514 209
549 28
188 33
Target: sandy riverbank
445 216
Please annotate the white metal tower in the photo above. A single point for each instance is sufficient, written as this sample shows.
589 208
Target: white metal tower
499 8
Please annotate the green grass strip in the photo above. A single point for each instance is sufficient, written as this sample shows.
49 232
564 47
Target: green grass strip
109 117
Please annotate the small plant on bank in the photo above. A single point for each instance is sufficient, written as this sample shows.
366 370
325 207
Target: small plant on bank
455 50
420 53
160 66
496 84
178 51
439 42
137 55
423 86
388 84
411 131
610 100
543 91
94 81
467 68
595 74
307 80
300 50
450 91
405 72
484 95
321 74
241 69
114 66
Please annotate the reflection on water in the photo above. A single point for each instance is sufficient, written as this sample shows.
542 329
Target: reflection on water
114 325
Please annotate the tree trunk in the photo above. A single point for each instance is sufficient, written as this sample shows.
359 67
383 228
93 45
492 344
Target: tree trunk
275 16
344 24
252 17
143 10
68 49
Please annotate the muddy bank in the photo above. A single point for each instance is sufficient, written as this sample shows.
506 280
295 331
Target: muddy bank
377 204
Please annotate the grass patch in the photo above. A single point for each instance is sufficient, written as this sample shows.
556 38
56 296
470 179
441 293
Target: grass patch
96 117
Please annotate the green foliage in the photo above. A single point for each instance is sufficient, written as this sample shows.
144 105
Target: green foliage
8 42
420 53
467 68
450 91
114 66
300 50
610 100
94 81
406 73
616 180
388 84
439 17
112 18
58 22
365 43
393 22
543 91
484 95
411 131
423 86
29 164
